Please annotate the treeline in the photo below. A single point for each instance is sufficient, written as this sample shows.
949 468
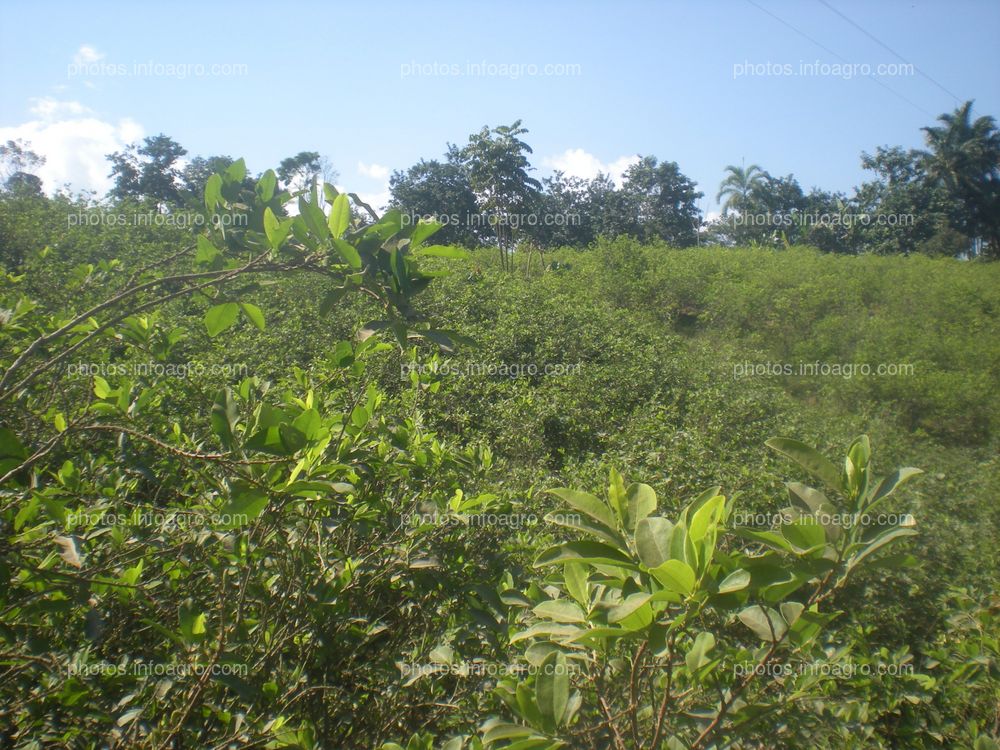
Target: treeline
944 200
941 201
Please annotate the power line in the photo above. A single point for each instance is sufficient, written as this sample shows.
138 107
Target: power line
839 57
891 51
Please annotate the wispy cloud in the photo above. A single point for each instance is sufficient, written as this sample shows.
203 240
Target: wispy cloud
375 171
575 162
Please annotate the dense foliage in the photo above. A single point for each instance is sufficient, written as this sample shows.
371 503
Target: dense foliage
275 477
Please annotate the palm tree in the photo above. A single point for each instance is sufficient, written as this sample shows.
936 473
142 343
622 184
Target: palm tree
739 186
964 156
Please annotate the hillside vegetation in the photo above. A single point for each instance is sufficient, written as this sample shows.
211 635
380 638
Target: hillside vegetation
318 482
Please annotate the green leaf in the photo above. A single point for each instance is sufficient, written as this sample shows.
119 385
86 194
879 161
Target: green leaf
579 522
560 610
340 216
640 502
585 551
652 540
309 423
632 605
266 185
809 459
206 252
254 315
213 193
880 541
552 688
705 517
735 581
550 629
422 231
790 611
292 439
767 624
224 416
675 575
577 584
806 498
616 495
348 252
770 538
192 622
275 230
804 534
237 171
314 218
586 503
696 657
101 388
242 508
10 445
888 485
498 732
221 317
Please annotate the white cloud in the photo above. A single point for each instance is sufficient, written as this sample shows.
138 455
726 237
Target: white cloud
49 108
74 142
86 55
375 171
575 162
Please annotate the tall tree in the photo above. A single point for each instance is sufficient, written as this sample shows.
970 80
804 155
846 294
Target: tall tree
17 162
149 171
964 156
663 202
564 213
739 186
908 211
442 190
498 166
610 210
305 169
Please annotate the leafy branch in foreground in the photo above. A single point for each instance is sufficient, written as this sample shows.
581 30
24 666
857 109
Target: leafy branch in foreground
654 632
244 540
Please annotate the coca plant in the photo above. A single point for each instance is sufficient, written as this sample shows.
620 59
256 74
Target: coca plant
688 632
257 561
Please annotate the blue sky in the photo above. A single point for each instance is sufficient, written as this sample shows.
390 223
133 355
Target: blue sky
378 85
